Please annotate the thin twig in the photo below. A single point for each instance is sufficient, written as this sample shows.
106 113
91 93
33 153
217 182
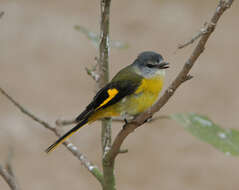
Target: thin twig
181 77
25 111
9 167
8 178
7 173
72 148
194 38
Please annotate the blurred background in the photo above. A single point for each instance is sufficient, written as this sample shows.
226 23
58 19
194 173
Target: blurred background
42 65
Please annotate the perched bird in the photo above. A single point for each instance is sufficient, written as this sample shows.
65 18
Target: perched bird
132 91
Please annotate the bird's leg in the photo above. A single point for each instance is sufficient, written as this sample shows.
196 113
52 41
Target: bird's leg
125 120
125 123
148 119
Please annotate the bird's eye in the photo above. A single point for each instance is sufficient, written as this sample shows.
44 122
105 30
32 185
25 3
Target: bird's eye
150 65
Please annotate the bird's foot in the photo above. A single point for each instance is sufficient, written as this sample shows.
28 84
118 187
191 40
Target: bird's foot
148 119
125 123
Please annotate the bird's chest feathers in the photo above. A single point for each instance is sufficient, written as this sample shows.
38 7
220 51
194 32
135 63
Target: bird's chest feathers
150 86
145 96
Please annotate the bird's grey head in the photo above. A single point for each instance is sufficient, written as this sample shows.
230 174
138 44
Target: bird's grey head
149 63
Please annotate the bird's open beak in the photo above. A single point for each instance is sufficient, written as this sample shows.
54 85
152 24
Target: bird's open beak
163 65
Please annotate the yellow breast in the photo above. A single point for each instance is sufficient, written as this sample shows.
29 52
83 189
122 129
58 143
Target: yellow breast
145 96
151 85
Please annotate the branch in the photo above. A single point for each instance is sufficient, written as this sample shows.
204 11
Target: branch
103 68
8 178
8 174
92 72
202 30
9 167
194 38
103 71
181 77
72 148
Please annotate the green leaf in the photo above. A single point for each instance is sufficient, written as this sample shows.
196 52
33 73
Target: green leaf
225 140
95 38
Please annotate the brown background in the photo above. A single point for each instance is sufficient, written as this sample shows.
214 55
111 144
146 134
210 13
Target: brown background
42 60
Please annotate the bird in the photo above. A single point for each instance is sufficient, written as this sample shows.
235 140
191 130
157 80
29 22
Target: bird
132 91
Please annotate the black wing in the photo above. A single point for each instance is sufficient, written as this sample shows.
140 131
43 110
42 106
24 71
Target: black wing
112 93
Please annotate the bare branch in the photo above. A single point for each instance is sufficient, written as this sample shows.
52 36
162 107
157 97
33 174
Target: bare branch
9 167
7 172
103 71
204 29
194 38
103 67
25 111
138 121
72 148
8 178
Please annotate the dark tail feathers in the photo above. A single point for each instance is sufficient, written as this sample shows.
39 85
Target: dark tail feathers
66 136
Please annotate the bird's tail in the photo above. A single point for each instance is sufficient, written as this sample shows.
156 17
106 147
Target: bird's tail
66 136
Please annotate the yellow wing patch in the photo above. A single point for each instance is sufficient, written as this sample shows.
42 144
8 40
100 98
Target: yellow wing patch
112 93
